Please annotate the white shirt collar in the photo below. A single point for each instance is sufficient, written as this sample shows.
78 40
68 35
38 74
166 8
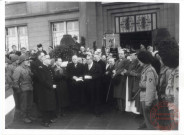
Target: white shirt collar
89 66
107 65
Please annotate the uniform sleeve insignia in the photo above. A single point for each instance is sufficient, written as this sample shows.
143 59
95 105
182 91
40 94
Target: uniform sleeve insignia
150 79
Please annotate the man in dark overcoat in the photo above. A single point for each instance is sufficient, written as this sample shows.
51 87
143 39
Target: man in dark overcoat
35 68
108 81
97 59
92 74
75 74
47 98
119 80
134 76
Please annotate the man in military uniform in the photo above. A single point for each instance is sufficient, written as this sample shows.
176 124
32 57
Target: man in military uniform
10 70
23 85
169 52
148 83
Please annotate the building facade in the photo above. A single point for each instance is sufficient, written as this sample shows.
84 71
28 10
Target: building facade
31 23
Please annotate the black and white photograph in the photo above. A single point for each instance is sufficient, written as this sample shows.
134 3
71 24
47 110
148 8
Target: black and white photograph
92 65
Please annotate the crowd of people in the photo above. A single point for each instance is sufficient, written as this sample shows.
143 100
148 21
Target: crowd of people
134 82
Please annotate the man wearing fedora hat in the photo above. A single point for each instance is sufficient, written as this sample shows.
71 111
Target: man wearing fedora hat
23 84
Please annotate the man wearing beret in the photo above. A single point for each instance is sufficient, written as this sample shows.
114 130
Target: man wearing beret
23 85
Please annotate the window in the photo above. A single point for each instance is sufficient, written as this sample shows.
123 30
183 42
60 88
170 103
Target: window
16 36
61 28
127 24
143 22
136 23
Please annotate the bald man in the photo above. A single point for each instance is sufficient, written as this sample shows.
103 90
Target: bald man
75 73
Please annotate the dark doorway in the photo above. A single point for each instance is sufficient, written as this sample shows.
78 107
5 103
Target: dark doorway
133 40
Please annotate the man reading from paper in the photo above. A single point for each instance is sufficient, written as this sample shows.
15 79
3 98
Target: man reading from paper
91 76
75 74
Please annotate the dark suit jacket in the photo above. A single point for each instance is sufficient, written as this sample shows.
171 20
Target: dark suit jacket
109 71
134 74
95 71
93 85
47 97
38 52
102 66
82 54
121 65
74 71
35 68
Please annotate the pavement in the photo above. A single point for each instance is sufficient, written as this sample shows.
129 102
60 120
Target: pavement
111 119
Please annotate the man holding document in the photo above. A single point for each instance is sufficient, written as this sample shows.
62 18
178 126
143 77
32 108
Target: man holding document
76 88
92 74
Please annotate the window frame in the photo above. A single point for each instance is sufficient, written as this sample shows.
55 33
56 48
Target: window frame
51 22
17 35
135 15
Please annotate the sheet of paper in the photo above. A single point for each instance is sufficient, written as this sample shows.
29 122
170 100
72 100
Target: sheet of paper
64 63
87 77
78 79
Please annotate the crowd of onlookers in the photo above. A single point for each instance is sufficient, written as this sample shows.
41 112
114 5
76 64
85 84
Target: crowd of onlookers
95 78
